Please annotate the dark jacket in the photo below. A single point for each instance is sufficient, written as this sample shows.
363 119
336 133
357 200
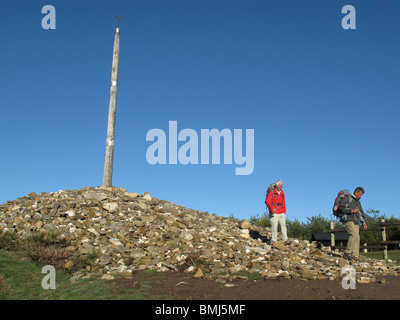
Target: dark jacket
348 204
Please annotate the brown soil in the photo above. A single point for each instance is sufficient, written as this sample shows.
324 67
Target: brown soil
182 286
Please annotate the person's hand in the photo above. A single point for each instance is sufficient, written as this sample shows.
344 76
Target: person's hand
355 211
365 226
275 210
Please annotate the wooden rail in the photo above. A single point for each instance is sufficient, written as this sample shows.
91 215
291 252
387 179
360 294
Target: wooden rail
383 244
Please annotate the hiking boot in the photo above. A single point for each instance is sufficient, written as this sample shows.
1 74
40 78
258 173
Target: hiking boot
287 242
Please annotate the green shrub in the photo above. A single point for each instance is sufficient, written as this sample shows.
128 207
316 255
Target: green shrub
46 247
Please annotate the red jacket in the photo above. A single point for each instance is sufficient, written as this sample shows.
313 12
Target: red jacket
276 200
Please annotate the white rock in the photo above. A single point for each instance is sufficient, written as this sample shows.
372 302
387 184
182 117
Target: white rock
107 277
70 213
147 196
188 236
237 269
190 269
110 206
115 242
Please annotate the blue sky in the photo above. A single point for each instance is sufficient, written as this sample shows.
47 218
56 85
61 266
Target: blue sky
323 101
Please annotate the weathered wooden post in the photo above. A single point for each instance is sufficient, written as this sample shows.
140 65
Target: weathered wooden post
385 253
109 160
332 234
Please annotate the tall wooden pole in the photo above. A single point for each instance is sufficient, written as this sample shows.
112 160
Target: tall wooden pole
385 253
108 164
332 234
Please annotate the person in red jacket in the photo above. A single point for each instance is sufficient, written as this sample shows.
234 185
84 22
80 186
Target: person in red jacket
276 204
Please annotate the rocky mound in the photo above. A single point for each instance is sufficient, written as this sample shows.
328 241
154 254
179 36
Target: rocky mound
130 232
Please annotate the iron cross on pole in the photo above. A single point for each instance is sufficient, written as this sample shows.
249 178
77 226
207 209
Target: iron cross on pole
118 18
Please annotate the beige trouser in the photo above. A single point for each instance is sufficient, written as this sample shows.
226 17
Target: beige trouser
275 219
353 244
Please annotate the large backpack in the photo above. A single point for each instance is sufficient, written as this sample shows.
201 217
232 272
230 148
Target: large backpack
341 195
270 188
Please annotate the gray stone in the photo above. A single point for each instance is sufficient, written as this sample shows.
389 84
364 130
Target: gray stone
245 224
130 232
110 206
237 269
95 196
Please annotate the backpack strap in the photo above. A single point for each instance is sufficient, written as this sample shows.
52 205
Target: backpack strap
350 200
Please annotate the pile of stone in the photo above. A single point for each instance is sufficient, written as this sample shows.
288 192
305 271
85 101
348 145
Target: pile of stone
129 232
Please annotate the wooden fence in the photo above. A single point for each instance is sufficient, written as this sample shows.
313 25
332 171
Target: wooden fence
382 244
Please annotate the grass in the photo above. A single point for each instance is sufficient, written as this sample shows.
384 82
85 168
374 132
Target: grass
46 248
392 254
21 279
22 260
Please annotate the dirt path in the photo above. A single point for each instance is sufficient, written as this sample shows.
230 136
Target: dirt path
181 286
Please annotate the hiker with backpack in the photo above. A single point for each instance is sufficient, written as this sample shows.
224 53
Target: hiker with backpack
275 201
348 209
